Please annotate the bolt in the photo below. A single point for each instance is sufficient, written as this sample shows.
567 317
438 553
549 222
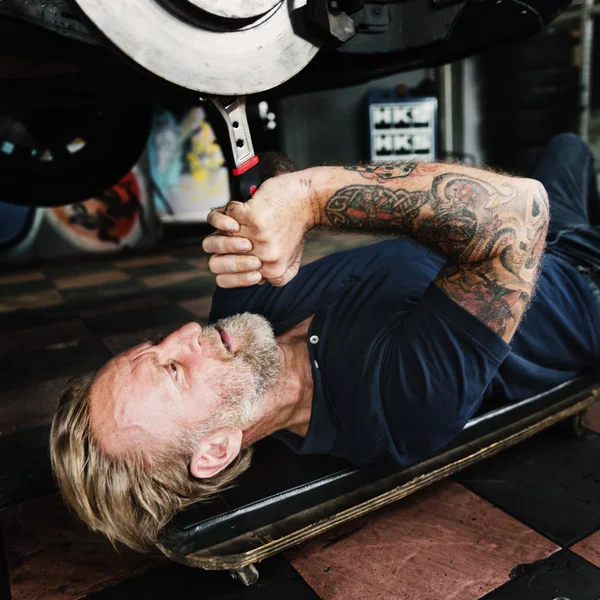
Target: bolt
377 10
334 7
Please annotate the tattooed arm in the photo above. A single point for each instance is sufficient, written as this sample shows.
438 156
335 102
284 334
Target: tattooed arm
490 227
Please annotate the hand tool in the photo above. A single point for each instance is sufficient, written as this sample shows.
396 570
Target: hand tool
245 171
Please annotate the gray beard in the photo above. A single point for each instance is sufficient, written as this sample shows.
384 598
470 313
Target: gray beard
254 369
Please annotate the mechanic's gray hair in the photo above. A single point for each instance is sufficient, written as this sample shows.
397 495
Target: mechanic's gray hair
128 498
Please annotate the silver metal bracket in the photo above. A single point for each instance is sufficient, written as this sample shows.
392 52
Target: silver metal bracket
233 111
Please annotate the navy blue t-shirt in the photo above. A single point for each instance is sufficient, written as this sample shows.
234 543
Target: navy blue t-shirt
398 367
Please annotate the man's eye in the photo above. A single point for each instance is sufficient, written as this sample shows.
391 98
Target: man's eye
173 369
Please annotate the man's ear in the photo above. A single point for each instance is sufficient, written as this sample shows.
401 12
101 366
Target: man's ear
215 452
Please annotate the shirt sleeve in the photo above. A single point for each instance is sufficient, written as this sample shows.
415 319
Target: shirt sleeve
433 368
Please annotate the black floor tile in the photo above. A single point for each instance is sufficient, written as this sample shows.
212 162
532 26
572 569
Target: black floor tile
191 252
561 576
24 368
27 287
48 337
278 581
194 288
19 319
149 299
160 269
4 578
80 267
550 482
88 295
135 320
25 471
183 238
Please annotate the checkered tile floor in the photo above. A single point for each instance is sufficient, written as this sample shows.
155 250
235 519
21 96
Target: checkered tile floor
523 525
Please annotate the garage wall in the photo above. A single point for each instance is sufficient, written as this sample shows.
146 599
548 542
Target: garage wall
331 127
467 111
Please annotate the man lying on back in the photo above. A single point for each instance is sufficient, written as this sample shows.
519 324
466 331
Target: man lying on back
385 351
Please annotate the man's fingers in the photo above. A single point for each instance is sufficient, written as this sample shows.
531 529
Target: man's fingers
233 263
224 244
237 211
219 220
239 280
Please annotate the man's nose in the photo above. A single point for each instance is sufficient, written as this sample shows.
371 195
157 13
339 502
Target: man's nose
188 333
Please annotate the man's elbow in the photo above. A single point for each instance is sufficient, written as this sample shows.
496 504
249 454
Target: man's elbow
531 216
537 204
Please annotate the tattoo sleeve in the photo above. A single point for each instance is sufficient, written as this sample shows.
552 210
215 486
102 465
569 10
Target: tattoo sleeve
491 228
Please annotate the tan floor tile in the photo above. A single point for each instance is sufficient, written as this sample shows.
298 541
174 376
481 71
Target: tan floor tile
144 261
89 280
155 281
30 301
21 277
53 556
592 418
589 549
198 306
44 337
444 542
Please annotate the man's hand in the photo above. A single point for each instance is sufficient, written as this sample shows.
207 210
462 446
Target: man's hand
262 239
